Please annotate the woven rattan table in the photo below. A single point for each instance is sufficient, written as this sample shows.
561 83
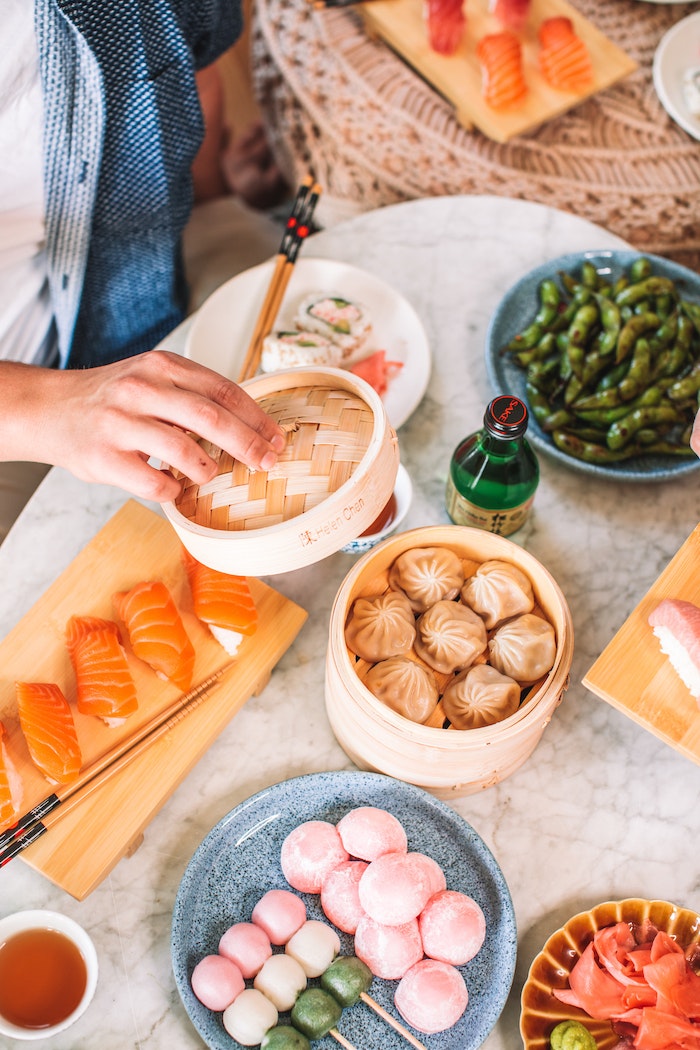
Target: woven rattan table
373 132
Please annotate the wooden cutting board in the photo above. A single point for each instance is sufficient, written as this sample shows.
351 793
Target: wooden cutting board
92 835
458 77
633 674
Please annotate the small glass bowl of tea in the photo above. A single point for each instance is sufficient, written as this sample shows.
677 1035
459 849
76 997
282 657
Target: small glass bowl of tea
48 973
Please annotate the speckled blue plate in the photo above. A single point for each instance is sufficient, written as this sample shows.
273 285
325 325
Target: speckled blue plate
517 309
238 862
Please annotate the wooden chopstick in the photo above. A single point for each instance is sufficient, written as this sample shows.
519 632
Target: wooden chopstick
296 231
39 819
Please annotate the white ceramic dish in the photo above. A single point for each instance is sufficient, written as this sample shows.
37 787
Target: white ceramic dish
223 326
678 51
403 494
38 919
239 861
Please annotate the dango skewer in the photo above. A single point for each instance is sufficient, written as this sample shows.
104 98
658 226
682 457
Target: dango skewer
347 979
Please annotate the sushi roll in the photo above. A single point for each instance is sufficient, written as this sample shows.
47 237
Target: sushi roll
344 323
295 349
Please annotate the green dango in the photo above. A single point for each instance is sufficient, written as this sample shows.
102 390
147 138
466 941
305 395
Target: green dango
571 1035
315 1013
284 1037
346 979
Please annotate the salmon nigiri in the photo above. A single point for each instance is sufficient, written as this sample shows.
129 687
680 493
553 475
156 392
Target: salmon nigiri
104 684
49 729
503 81
156 631
10 787
564 59
221 601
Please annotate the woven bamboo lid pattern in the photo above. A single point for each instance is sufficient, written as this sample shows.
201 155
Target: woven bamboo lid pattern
328 431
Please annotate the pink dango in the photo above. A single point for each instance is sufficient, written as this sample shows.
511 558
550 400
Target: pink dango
340 897
247 945
431 996
314 946
395 888
216 981
279 914
389 951
309 852
249 1017
281 980
367 832
452 927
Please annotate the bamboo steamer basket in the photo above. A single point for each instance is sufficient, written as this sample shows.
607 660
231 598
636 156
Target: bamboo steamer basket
334 477
449 763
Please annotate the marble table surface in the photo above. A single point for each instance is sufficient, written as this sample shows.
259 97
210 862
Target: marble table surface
602 809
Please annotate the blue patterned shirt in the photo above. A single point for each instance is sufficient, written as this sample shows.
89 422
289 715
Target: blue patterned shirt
122 124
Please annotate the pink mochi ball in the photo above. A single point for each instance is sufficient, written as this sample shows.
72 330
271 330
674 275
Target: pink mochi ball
340 898
216 982
452 927
309 852
431 996
389 951
247 946
280 914
367 832
395 888
433 871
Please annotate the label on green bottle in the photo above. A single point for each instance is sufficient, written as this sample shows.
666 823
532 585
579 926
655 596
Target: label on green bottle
500 521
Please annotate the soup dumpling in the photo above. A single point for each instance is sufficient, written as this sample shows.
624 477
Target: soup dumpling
480 696
427 575
497 591
380 627
450 636
405 686
524 648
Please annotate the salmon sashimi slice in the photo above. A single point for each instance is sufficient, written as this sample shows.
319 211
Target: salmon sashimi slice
512 14
49 729
223 602
11 789
676 624
103 679
563 57
503 80
156 631
445 21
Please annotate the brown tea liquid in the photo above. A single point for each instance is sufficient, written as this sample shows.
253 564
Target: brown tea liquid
42 978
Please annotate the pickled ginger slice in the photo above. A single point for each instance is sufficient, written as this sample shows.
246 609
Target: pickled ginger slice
49 729
156 631
221 601
104 684
676 624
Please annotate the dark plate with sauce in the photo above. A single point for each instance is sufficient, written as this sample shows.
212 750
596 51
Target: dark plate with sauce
541 1011
516 311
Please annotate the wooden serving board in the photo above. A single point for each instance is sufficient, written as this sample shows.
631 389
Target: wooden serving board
93 833
458 77
633 674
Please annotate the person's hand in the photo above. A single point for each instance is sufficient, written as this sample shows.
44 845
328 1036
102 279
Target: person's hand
104 424
695 436
249 168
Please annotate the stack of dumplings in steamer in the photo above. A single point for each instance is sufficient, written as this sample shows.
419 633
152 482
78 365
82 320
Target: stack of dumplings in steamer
448 646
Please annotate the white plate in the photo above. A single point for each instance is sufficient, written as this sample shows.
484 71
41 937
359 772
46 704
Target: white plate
223 326
238 862
678 51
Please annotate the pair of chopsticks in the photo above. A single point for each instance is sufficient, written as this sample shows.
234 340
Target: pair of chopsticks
46 813
295 232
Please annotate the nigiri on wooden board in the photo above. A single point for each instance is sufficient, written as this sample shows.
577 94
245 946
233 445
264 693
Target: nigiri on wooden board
135 545
458 77
634 675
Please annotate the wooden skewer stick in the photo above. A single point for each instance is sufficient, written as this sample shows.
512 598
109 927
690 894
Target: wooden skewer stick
396 1025
341 1039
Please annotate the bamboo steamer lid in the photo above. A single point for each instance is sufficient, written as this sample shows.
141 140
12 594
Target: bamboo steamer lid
449 763
334 477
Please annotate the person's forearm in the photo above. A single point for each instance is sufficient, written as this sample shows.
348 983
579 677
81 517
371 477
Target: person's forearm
26 392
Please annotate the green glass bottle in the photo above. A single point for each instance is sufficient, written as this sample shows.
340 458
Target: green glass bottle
494 472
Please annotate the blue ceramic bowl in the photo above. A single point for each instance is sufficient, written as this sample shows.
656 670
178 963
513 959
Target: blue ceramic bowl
239 861
518 308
